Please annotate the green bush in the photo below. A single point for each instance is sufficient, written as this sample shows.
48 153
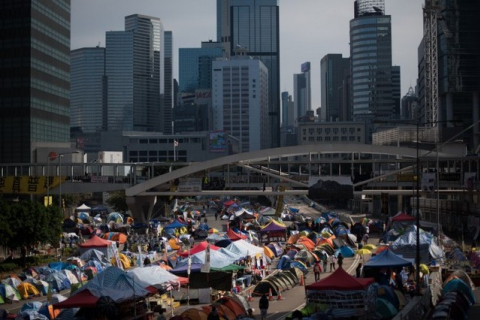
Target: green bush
8 267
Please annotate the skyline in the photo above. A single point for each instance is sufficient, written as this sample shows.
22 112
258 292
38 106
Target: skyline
89 24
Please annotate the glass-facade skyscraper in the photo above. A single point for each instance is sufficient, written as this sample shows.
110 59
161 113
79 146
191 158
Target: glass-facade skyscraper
167 98
195 67
334 69
87 96
363 7
35 78
371 67
302 91
254 26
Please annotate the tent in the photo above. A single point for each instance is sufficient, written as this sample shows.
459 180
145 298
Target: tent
83 207
387 259
93 254
58 281
42 286
153 276
9 292
27 290
234 236
96 243
403 217
123 260
346 251
116 236
242 248
273 226
202 246
340 280
113 282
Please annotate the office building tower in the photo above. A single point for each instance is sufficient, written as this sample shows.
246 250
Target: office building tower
195 67
371 67
368 7
134 63
302 93
240 101
167 101
88 105
409 105
333 71
253 25
35 78
396 91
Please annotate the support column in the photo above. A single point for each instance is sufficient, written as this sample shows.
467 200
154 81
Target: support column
476 117
449 106
141 207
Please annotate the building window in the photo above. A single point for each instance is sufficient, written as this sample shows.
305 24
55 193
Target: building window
319 130
327 130
335 138
304 131
343 138
319 139
335 130
327 139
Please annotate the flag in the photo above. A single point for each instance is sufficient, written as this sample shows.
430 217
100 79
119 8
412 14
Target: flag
175 143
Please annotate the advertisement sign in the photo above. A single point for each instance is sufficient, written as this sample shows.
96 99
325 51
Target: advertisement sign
190 185
428 181
28 185
218 141
203 96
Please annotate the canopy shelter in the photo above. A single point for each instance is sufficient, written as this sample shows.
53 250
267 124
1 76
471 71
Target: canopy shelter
242 248
388 259
218 259
83 207
403 217
342 292
406 245
175 225
234 236
155 276
273 231
97 243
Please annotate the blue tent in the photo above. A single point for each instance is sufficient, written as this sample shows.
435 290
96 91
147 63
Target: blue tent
346 251
459 285
223 243
284 263
58 281
386 259
174 225
195 267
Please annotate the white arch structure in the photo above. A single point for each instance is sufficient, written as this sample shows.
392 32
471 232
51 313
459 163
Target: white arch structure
247 158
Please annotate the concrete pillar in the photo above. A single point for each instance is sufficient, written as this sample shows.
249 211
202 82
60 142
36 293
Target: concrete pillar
141 207
476 117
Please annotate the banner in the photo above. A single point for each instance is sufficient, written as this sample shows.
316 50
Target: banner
28 185
428 181
218 141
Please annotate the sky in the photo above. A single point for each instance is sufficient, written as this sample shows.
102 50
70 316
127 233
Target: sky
309 29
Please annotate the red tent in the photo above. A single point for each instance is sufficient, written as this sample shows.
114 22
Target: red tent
228 203
198 248
232 235
95 242
403 217
342 281
83 299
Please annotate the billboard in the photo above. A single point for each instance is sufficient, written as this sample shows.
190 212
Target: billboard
305 67
218 141
203 96
28 185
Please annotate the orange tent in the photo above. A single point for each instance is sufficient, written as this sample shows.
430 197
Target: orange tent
194 314
115 236
307 243
232 305
293 239
268 252
326 241
173 244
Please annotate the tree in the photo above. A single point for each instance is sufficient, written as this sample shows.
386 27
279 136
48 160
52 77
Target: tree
32 223
118 201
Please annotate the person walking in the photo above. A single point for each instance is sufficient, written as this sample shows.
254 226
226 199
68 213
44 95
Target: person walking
333 260
325 262
317 268
216 215
263 306
340 260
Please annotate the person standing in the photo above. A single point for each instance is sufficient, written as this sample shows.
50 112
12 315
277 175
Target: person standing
340 260
316 270
358 271
333 260
216 215
213 315
325 262
263 306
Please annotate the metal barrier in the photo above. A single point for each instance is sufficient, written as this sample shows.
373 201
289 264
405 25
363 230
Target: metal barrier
417 308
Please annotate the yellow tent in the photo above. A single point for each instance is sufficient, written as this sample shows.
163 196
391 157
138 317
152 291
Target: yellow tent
268 252
173 244
123 259
26 290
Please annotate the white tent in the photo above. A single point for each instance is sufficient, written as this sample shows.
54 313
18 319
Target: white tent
152 275
83 207
243 248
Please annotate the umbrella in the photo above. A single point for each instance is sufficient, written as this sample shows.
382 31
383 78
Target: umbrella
362 252
213 230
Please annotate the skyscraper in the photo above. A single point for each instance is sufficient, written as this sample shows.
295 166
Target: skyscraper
302 93
333 71
363 7
35 78
195 67
167 98
240 101
254 26
88 92
371 66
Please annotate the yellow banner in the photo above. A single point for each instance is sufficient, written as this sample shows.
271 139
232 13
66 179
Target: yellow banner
28 185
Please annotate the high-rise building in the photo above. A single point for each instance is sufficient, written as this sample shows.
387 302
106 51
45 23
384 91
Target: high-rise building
333 71
396 90
167 98
363 7
409 106
35 78
253 25
371 66
302 93
195 67
240 101
88 105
